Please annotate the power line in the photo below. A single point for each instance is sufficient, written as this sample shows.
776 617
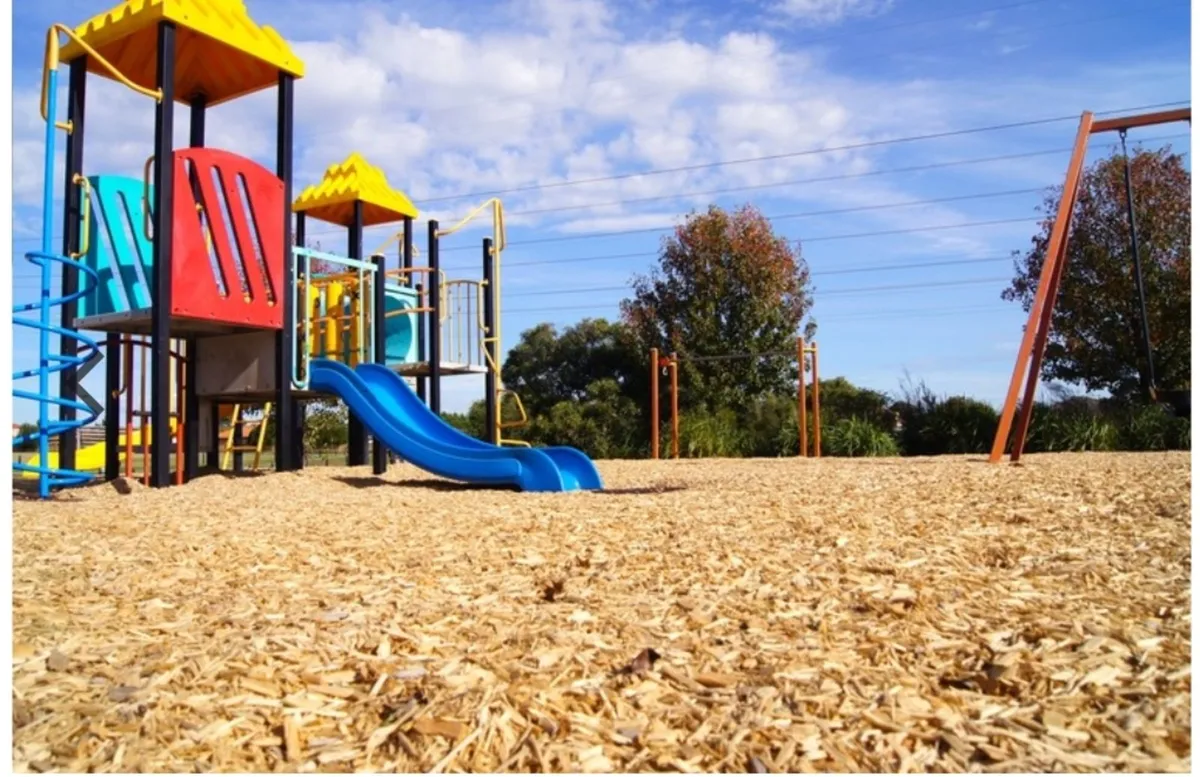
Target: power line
819 239
778 217
838 292
870 268
818 179
478 104
795 154
821 179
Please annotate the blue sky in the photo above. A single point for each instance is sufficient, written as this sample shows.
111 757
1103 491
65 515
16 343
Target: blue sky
462 98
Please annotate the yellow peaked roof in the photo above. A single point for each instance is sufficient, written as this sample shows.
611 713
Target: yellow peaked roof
220 52
354 180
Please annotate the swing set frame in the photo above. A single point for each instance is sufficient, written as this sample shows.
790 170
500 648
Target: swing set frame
1037 331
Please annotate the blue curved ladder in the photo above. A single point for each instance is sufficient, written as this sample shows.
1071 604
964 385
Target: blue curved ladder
50 363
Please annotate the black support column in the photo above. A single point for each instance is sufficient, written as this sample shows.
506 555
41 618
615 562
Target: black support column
489 323
435 323
285 344
191 403
406 261
422 349
113 353
160 315
379 454
68 380
356 453
303 345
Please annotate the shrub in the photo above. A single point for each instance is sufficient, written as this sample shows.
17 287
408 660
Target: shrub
1153 428
857 437
933 426
768 427
704 434
960 425
1070 426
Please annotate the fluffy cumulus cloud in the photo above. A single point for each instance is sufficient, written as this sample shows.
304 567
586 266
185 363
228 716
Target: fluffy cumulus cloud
537 92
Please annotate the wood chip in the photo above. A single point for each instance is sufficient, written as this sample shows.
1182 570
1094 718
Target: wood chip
769 616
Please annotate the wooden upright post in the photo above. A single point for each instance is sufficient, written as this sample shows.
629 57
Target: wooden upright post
801 403
654 403
674 406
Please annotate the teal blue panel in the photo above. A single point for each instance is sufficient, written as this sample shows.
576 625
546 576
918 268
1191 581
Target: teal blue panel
400 331
118 245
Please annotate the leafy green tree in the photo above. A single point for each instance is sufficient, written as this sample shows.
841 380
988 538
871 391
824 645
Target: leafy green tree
326 426
546 367
27 428
1096 336
725 284
605 425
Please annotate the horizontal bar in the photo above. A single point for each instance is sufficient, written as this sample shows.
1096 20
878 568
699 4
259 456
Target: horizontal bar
1142 120
335 258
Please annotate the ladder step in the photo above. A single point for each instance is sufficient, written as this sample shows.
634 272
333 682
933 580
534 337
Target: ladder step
243 448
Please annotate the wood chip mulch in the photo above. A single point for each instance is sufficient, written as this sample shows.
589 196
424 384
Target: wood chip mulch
746 616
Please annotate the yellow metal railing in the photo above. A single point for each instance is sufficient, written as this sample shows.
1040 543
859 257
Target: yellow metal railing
51 60
499 242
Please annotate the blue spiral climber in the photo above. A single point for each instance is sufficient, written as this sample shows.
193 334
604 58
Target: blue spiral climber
50 363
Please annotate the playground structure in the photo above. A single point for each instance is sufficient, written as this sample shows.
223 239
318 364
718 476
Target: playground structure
201 252
669 365
1041 313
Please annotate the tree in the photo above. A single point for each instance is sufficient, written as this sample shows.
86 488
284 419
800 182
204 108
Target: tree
726 284
1095 337
326 426
546 368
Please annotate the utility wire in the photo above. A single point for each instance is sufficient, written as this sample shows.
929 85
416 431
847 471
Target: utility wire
818 179
627 286
1075 23
795 154
480 105
778 217
838 292
821 179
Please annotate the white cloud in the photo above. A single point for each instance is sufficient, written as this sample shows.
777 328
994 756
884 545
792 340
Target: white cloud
829 12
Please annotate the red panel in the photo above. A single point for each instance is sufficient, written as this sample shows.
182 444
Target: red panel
195 292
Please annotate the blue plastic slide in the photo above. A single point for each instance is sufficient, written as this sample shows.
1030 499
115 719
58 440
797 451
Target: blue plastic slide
394 414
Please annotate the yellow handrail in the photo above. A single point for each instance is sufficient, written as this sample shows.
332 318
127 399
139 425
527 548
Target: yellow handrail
51 63
85 237
388 243
146 217
499 243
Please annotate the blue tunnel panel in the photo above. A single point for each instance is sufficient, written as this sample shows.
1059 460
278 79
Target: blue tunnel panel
400 341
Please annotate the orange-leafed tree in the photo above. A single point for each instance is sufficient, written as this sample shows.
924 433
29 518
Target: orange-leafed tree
1096 337
725 284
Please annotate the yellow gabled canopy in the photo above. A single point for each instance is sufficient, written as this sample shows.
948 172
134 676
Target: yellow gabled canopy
354 180
220 52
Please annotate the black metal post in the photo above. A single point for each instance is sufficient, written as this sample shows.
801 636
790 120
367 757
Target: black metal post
489 322
191 402
214 451
1149 384
435 323
237 436
422 350
379 325
68 380
285 343
112 406
356 453
302 344
160 306
406 252
406 261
